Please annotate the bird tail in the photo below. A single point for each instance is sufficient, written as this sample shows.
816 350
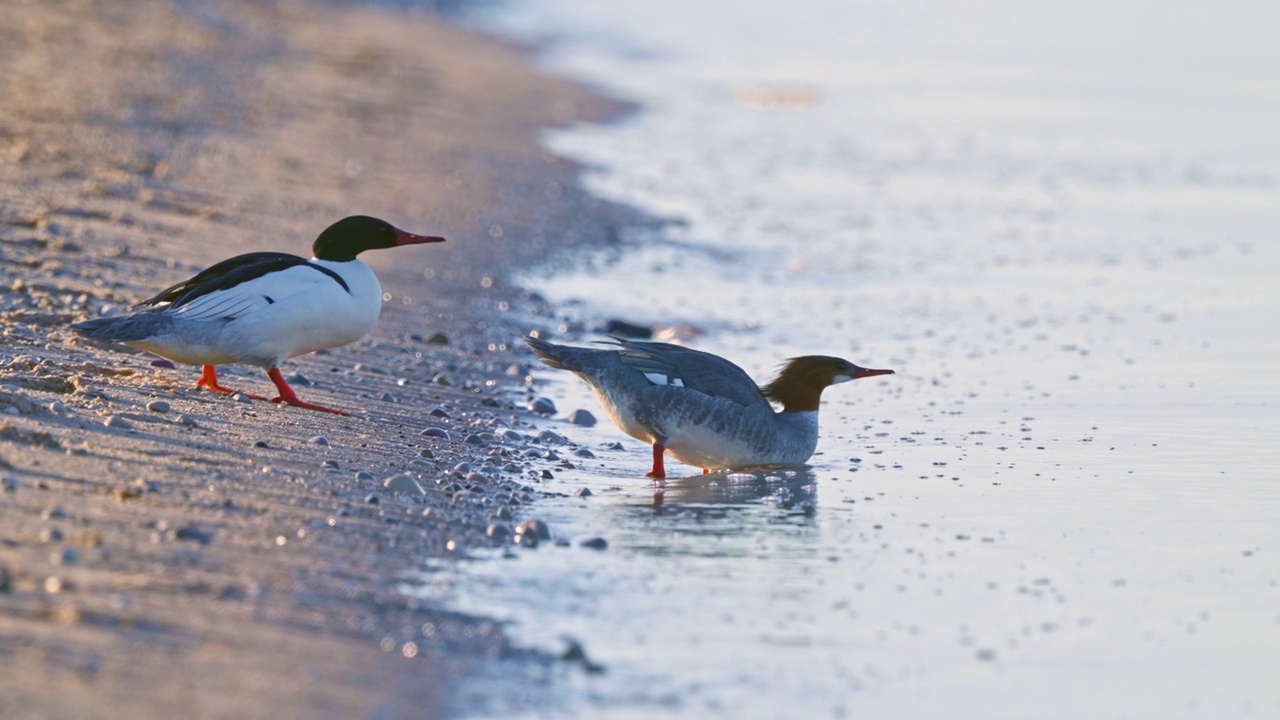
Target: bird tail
550 353
124 328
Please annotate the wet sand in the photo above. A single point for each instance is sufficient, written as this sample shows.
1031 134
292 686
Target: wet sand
166 551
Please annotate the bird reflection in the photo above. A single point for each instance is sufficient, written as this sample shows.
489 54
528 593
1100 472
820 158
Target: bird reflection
787 487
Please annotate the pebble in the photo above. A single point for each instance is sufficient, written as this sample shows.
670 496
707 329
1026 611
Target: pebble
9 482
117 422
193 533
546 475
187 421
439 412
50 535
260 444
546 436
426 454
475 477
6 579
158 406
462 468
365 476
404 483
528 540
441 379
550 455
374 369
512 468
584 453
499 531
389 397
438 339
57 407
167 364
11 410
583 492
435 432
537 528
329 464
582 417
372 500
594 543
240 398
53 513
298 379
512 435
318 440
474 439
54 585
65 556
502 513
543 406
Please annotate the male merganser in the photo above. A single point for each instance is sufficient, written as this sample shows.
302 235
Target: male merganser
264 307
701 408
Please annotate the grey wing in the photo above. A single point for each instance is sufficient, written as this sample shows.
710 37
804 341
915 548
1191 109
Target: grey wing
673 365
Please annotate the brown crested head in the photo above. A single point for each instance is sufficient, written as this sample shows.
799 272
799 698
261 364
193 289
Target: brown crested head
799 385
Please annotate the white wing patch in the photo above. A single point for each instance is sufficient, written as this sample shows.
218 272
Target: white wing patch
663 379
252 295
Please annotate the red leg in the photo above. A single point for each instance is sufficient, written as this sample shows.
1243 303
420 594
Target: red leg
706 471
658 472
209 381
287 396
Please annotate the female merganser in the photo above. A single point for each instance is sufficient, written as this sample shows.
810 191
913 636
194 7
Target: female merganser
701 408
264 307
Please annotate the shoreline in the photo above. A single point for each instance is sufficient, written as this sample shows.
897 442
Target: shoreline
222 559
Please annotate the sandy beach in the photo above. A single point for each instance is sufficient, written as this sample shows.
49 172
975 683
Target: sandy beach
166 551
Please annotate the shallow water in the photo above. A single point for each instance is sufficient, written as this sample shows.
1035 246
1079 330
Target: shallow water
1060 228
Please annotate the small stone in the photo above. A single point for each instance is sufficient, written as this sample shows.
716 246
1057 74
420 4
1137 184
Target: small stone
186 421
584 453
546 436
9 482
546 475
462 468
511 436
166 364
512 468
441 379
11 410
438 339
389 397
543 406
319 440
54 585
528 540
298 379
514 370
404 483
435 432
582 417
365 476
6 580
502 513
193 533
53 513
439 412
117 422
534 527
50 535
373 369
474 439
57 407
475 477
499 531
240 398
372 500
329 464
593 543
65 556
426 454
260 444
158 406
583 492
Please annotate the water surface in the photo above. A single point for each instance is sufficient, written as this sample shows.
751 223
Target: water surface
1059 225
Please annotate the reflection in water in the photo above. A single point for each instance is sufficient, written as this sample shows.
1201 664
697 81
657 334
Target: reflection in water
786 487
